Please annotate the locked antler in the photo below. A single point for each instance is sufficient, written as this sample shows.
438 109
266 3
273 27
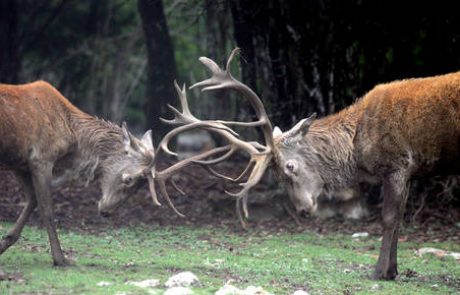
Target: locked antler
260 155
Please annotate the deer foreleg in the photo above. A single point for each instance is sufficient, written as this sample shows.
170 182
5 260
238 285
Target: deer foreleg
394 200
15 232
41 176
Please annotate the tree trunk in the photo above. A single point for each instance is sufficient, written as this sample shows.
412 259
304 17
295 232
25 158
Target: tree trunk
161 68
10 61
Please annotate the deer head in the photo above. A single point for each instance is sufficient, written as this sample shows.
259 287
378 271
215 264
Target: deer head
294 159
285 149
126 171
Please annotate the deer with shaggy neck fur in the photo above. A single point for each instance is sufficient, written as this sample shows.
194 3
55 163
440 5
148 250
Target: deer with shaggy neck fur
42 135
396 132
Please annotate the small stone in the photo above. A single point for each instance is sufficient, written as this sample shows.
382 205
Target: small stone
300 292
229 290
375 287
178 291
347 270
360 235
104 284
183 279
252 290
437 252
150 283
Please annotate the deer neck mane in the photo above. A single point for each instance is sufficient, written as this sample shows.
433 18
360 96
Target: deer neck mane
96 141
331 144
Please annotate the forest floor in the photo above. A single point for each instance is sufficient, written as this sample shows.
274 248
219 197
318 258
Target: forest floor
145 242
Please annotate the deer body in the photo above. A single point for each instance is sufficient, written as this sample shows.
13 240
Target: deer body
413 124
398 131
42 135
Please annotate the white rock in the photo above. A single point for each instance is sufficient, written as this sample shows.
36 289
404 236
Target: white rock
300 292
178 291
375 287
150 283
229 290
437 252
104 284
251 290
183 279
360 235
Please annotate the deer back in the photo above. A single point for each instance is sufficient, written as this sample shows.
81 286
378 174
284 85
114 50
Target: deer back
33 123
413 122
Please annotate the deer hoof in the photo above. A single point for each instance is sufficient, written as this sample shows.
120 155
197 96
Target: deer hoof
62 262
388 275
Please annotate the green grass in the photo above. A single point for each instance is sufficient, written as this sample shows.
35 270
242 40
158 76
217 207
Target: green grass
279 262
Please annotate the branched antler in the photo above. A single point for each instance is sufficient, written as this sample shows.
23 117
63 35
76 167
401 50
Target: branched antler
260 155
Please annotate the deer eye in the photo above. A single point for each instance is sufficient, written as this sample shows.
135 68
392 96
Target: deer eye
127 179
290 166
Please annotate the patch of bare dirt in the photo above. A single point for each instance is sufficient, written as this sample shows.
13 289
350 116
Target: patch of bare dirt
16 277
206 204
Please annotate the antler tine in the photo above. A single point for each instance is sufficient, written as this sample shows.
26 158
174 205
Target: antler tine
217 174
162 176
174 184
230 58
199 124
184 117
220 175
238 212
261 163
221 79
165 194
153 192
183 99
242 196
219 159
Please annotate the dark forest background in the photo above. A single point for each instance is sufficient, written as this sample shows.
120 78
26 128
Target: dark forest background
118 58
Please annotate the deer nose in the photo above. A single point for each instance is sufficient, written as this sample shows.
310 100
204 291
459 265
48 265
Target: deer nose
104 214
304 213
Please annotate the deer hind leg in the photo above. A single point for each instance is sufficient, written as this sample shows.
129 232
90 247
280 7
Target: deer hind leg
30 203
41 177
395 190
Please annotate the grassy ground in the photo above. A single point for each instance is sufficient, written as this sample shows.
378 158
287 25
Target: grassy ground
280 262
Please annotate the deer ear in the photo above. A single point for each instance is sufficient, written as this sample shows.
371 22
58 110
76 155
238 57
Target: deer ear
147 140
301 128
306 124
277 132
128 139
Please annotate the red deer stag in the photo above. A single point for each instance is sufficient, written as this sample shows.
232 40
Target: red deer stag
396 132
43 135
